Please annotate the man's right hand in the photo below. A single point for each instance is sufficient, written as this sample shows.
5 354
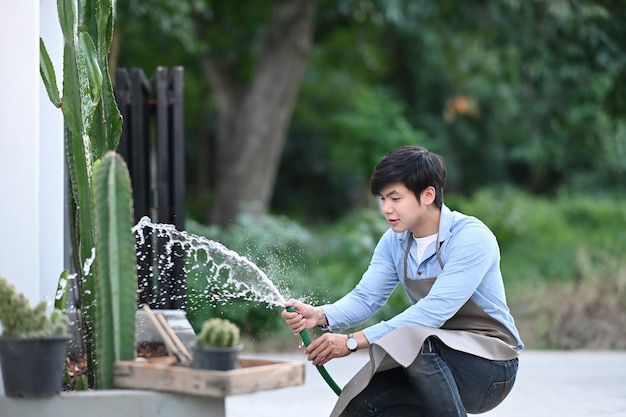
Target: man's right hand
304 317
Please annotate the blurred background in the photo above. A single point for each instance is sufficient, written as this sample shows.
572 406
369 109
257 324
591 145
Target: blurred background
289 104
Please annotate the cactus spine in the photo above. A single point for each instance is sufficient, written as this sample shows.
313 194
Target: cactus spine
217 332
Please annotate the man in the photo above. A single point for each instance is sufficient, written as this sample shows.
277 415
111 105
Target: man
455 349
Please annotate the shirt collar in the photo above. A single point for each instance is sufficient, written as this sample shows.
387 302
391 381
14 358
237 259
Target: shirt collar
445 224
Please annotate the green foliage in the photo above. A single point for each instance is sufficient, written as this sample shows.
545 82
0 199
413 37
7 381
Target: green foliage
116 273
545 109
82 384
275 244
217 332
20 320
539 90
540 238
534 118
512 215
346 120
543 113
313 265
547 245
79 384
346 104
204 26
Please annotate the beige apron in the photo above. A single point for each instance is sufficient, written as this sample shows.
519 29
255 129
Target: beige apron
470 330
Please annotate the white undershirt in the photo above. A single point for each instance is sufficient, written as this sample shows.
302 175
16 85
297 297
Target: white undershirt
422 244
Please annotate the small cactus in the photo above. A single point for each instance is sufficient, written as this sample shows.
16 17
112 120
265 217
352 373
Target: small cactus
20 320
217 332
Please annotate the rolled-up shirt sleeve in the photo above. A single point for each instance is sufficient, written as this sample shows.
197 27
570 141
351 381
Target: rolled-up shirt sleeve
370 294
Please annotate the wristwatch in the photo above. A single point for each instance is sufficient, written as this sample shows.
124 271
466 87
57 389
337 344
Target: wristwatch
351 343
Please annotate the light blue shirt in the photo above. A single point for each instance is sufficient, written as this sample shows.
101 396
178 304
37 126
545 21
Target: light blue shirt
471 258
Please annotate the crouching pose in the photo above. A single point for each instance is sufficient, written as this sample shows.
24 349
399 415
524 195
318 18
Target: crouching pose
455 349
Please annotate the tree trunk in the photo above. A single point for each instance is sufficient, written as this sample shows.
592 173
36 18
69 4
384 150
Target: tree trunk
252 122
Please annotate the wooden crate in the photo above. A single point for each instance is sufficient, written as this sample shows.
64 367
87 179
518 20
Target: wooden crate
163 374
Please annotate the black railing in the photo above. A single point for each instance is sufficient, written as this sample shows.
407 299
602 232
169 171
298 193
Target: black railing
153 146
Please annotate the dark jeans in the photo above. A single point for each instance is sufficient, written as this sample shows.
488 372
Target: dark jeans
442 382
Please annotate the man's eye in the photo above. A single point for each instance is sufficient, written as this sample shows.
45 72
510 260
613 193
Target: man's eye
396 199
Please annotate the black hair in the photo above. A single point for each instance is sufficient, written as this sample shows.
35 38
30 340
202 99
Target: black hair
415 167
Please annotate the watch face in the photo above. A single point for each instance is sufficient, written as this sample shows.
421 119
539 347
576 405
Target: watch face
352 343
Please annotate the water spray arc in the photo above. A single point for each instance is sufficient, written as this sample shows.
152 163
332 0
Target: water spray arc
245 280
307 341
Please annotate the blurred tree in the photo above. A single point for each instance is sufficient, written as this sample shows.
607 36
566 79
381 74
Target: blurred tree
523 92
346 118
252 55
523 107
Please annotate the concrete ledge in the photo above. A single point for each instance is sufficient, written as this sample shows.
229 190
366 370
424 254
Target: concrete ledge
114 403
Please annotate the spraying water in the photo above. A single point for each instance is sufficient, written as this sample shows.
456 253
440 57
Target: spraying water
228 275
222 272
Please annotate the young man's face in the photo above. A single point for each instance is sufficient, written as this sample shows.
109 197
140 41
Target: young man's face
401 208
404 211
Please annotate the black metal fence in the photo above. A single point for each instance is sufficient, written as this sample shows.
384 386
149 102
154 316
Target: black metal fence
153 146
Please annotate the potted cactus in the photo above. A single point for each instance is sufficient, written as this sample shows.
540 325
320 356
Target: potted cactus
217 345
33 345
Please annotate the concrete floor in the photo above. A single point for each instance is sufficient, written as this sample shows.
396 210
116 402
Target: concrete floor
549 384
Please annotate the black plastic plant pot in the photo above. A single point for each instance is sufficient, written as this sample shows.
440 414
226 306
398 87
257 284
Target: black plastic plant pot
33 367
216 358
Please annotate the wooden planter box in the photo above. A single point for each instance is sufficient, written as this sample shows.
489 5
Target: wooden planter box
163 374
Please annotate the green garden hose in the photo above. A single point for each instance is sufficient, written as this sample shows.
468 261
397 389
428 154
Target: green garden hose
307 341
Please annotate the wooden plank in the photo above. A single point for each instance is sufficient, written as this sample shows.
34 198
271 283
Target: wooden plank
251 376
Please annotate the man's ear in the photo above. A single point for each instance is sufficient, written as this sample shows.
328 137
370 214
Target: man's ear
428 195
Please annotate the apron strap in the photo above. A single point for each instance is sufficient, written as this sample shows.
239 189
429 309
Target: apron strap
409 238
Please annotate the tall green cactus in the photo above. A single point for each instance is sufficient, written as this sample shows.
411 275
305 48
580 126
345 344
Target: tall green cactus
93 126
115 262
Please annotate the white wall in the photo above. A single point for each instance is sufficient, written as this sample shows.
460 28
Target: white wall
31 151
51 159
